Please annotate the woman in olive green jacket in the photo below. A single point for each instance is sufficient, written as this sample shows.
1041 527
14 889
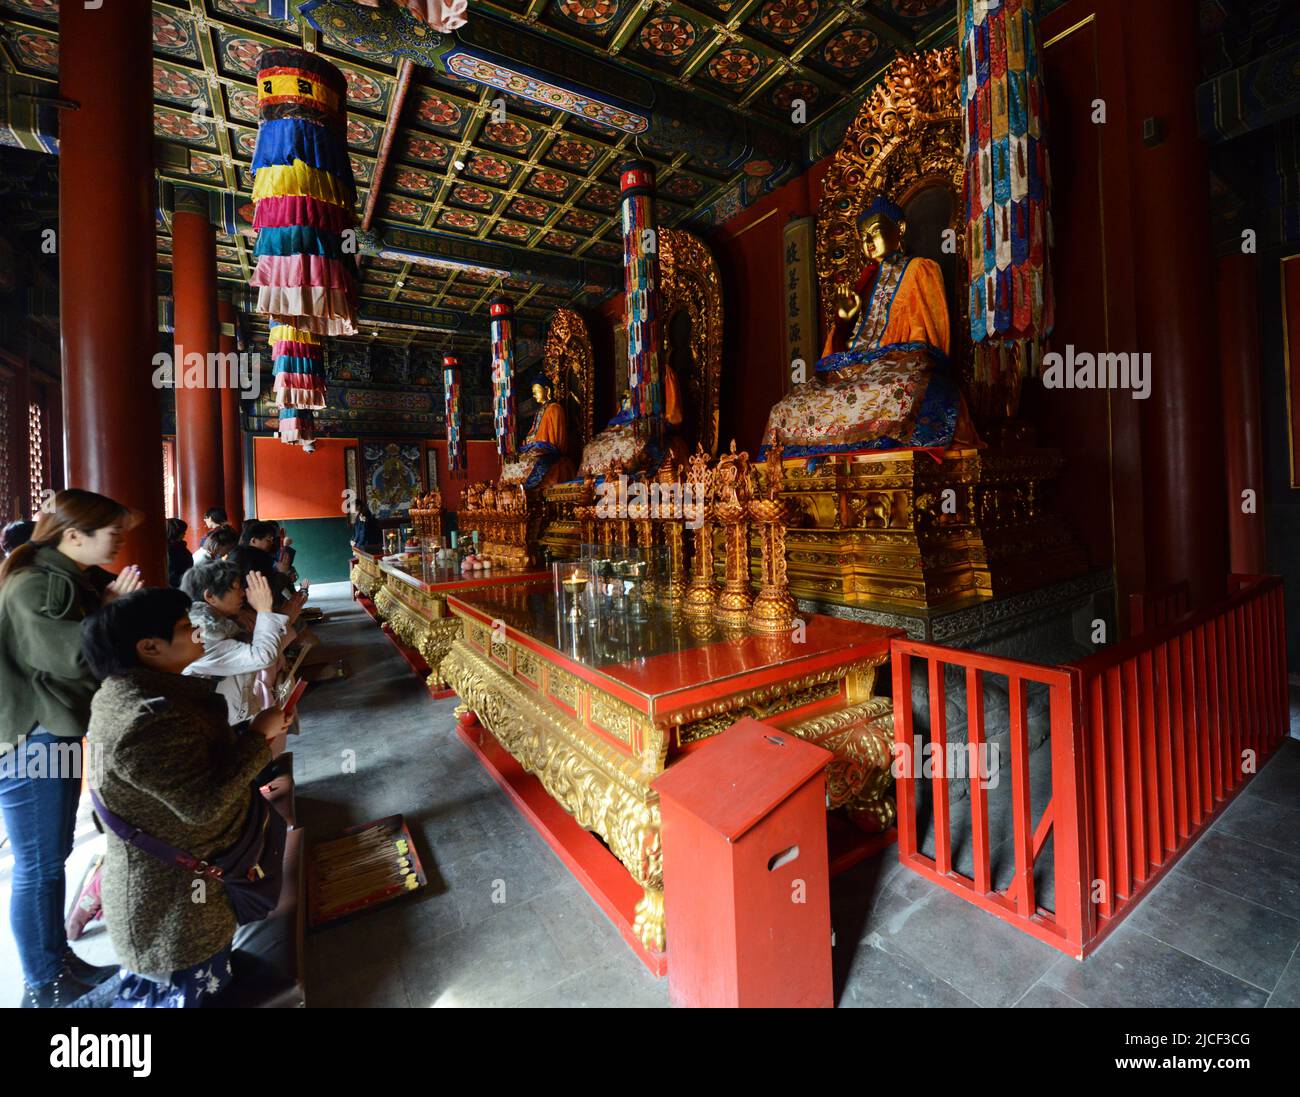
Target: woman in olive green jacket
47 587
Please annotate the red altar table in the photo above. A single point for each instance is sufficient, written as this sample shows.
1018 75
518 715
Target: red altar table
576 720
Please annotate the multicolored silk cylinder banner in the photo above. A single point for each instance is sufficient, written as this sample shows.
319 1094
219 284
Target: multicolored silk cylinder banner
641 281
1008 229
456 457
297 428
501 315
305 195
298 368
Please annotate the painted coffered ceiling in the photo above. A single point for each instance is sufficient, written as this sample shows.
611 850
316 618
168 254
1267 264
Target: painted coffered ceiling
521 199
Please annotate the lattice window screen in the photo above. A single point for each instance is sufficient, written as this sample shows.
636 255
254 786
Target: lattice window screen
8 488
36 455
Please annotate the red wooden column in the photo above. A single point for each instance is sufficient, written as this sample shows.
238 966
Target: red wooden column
199 462
108 300
232 442
1182 444
1238 291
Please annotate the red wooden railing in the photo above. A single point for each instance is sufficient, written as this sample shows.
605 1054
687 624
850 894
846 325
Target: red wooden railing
1151 608
1150 739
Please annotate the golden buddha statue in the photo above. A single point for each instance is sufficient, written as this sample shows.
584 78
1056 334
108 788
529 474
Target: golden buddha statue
883 380
544 455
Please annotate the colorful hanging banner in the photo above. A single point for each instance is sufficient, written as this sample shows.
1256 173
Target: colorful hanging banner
502 321
1008 229
456 456
298 368
641 283
305 195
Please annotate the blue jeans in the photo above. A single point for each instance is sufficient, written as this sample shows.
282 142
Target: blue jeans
40 814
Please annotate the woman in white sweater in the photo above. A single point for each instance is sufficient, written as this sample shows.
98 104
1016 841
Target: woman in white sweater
218 596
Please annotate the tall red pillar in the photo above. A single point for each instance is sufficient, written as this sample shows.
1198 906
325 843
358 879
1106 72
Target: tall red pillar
1238 291
112 420
232 442
199 461
1182 429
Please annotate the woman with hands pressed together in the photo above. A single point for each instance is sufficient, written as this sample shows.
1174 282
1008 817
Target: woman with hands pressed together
47 587
174 767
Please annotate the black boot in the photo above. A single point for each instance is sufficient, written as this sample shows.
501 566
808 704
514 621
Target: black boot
89 973
65 990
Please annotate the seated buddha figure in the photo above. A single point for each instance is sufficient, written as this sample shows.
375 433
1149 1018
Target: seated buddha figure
621 444
883 379
544 455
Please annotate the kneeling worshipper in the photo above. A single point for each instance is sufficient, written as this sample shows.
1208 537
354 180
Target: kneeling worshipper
884 380
245 670
175 776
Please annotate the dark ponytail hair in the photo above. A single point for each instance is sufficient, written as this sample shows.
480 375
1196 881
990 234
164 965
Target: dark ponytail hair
72 508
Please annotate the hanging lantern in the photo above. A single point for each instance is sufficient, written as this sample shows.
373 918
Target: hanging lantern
455 447
298 367
305 195
501 315
1008 230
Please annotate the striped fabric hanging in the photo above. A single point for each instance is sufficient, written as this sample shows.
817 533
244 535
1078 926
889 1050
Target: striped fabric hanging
502 324
1008 229
297 428
298 367
641 282
456 457
305 194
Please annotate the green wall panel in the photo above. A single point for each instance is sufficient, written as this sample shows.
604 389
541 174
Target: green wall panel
324 547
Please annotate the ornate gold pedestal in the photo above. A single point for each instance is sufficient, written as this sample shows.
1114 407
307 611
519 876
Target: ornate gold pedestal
904 529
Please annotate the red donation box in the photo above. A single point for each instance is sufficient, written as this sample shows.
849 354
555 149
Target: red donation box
746 881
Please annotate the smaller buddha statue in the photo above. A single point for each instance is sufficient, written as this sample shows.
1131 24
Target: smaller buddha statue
883 381
544 455
623 444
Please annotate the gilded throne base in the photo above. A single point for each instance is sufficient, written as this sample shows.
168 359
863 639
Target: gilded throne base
906 529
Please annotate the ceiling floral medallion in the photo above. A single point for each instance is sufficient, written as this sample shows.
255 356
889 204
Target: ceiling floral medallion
243 104
491 168
437 111
668 36
682 186
242 53
48 9
568 151
734 67
405 208
511 135
246 143
173 84
561 240
168 123
362 134
363 90
579 220
787 18
471 195
549 182
172 35
511 231
589 13
601 197
530 208
458 219
791 90
420 182
850 49
426 149
917 9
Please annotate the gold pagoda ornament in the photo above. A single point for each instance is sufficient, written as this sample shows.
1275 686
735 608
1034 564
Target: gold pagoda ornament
774 609
731 498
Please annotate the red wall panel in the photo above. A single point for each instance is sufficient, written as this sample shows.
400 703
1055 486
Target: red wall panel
292 484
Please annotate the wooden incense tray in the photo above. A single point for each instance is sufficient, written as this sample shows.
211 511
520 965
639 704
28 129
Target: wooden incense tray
362 867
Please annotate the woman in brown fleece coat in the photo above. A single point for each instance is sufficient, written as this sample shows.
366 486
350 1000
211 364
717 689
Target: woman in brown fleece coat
169 763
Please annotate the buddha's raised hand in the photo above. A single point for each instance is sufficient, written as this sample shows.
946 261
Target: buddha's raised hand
847 303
